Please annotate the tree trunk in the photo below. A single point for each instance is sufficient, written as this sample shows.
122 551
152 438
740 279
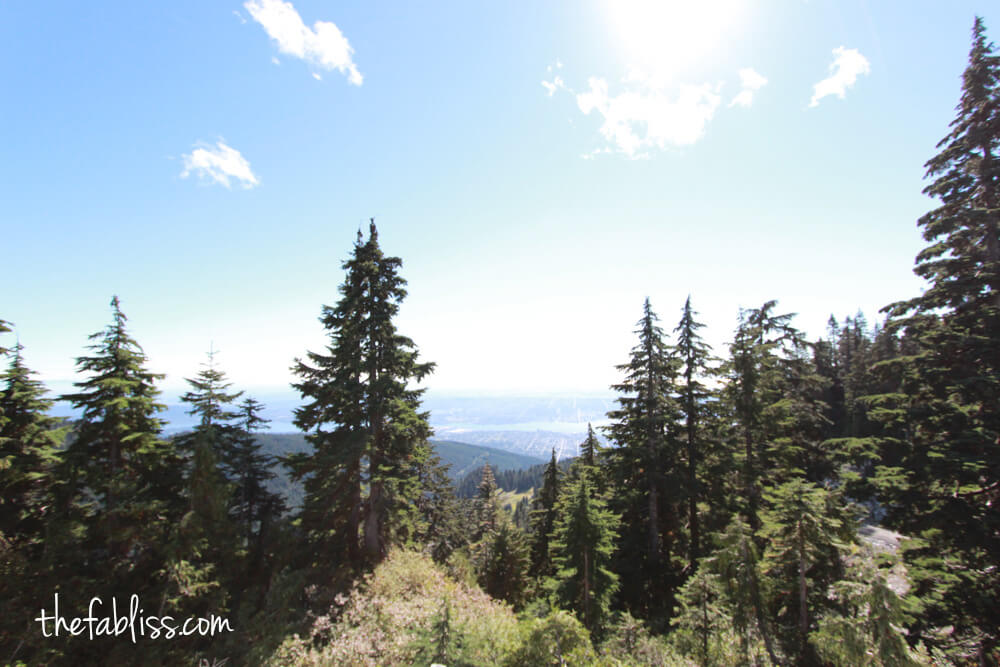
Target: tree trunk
586 588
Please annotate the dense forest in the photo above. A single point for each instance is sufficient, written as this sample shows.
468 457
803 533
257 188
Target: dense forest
718 524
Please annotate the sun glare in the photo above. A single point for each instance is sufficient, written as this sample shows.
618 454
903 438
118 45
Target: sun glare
666 38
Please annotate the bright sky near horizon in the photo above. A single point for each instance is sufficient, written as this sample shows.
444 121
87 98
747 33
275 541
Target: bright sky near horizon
540 167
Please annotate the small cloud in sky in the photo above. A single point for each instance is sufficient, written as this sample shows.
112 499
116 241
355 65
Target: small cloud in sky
847 65
750 82
554 85
316 75
322 45
221 165
275 61
648 113
239 16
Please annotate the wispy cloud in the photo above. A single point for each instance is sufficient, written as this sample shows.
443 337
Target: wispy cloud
554 85
221 165
322 45
750 82
847 65
649 114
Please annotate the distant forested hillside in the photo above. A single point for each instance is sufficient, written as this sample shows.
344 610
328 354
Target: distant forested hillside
464 460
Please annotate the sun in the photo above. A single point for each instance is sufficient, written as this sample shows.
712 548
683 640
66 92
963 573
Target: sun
663 39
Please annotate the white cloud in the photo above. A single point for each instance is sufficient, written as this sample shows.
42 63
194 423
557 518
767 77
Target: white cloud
648 115
323 45
554 85
847 65
219 165
750 82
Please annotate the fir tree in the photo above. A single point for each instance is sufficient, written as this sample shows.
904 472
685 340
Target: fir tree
701 617
803 533
442 528
945 484
694 354
645 496
29 536
867 625
362 418
543 516
737 564
757 374
487 504
124 478
253 504
582 546
502 562
29 443
212 404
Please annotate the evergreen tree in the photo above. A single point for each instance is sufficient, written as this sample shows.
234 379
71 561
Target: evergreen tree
757 382
646 491
543 516
487 505
736 562
590 449
867 625
253 504
212 404
442 528
124 479
582 545
502 562
29 443
694 354
803 531
945 484
202 566
702 617
361 417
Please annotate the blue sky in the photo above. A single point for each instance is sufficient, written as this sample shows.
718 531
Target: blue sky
541 168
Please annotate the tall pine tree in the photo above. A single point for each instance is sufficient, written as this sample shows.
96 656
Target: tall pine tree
582 546
124 479
362 418
543 517
948 472
694 354
645 470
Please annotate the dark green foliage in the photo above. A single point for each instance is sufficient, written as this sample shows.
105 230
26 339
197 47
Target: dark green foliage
502 562
517 480
362 418
803 528
486 505
253 503
641 468
122 480
29 444
543 517
701 616
582 544
736 563
694 354
941 459
776 402
443 530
